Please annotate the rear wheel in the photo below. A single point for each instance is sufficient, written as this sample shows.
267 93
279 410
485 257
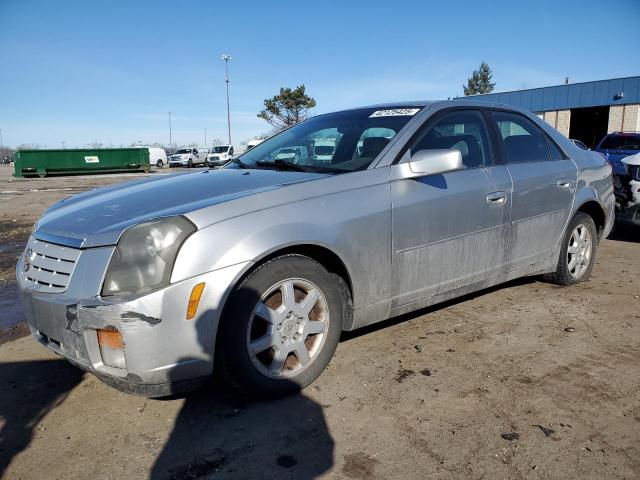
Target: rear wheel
578 251
159 164
281 326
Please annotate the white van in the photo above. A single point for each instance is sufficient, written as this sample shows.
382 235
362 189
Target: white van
220 155
157 156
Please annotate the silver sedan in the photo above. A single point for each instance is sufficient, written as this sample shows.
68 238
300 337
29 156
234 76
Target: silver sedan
255 269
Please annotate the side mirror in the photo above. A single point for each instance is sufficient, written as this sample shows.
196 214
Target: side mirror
431 162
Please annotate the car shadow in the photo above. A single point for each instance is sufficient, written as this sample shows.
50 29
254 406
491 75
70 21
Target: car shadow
220 431
216 432
625 232
29 391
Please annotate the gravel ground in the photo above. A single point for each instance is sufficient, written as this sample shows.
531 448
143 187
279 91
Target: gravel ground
527 380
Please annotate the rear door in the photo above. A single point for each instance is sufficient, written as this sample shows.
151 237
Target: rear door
544 184
450 230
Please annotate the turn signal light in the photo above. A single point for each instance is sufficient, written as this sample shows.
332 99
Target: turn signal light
111 348
194 300
110 339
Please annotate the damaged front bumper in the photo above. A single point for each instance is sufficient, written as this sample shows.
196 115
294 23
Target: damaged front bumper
163 352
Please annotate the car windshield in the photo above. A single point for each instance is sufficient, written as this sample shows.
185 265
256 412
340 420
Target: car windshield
219 149
621 142
183 151
356 137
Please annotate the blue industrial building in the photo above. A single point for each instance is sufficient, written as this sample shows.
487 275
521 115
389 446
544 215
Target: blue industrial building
585 111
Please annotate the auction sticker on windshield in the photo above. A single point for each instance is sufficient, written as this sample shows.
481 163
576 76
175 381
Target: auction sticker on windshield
395 112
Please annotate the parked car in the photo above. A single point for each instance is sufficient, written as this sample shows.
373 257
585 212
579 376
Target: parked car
220 155
188 157
627 190
257 268
579 144
618 145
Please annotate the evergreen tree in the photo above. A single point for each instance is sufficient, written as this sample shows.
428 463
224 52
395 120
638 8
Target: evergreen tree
289 107
480 81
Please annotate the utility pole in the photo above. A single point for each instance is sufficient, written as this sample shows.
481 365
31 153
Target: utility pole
170 141
1 142
226 59
64 145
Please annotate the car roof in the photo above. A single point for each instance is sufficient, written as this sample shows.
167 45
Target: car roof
452 102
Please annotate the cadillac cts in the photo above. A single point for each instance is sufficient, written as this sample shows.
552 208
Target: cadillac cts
257 268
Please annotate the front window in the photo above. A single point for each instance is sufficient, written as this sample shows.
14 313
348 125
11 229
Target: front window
627 141
219 149
339 142
459 130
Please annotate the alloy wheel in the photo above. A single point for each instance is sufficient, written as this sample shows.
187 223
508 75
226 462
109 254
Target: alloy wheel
287 328
579 251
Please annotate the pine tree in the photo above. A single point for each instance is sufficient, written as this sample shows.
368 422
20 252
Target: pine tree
480 81
287 108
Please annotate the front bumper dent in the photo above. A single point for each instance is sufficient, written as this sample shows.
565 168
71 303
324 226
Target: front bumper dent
164 353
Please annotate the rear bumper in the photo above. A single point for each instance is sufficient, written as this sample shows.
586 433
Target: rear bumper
164 353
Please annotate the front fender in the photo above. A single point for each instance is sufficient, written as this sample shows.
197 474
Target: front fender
356 230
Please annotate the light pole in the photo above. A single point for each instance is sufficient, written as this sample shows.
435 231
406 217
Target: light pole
205 137
226 59
170 141
64 145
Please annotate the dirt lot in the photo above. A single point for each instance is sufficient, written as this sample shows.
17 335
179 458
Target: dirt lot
429 395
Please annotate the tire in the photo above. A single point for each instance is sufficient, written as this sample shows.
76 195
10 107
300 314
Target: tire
189 164
266 359
159 164
582 249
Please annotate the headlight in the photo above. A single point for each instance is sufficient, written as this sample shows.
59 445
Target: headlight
145 254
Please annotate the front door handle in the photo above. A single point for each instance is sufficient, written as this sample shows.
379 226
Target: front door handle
496 198
564 183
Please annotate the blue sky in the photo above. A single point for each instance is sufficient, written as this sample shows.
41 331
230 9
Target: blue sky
109 71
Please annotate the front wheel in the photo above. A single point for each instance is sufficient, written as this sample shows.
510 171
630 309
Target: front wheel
189 164
281 326
577 252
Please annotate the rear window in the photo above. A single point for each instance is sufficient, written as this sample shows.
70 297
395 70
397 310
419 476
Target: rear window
621 142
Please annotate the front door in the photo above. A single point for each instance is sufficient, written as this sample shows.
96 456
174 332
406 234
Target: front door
450 230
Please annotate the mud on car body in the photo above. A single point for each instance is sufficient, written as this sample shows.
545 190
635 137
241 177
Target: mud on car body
256 268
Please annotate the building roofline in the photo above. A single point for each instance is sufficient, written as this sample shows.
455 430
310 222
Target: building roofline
552 86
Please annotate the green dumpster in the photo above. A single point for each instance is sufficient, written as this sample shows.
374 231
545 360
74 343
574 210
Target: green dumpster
31 163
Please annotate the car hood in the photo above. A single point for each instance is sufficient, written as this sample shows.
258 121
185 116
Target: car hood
98 217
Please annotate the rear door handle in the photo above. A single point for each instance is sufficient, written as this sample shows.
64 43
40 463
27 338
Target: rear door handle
564 183
496 198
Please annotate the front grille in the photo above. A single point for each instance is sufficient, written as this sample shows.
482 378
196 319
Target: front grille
50 266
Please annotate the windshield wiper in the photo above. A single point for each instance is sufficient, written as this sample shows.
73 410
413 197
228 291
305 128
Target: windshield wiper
282 165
